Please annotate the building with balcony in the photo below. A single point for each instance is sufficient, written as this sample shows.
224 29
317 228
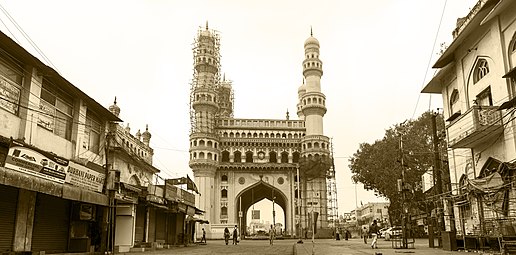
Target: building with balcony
476 79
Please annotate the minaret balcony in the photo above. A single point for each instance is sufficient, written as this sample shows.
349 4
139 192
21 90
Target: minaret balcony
204 105
313 109
477 125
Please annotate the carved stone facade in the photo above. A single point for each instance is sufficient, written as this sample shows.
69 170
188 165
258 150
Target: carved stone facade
239 162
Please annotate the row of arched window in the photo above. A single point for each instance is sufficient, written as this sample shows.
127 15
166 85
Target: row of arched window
315 100
262 135
206 60
316 145
205 97
249 156
134 148
201 142
203 155
312 56
261 144
313 64
273 157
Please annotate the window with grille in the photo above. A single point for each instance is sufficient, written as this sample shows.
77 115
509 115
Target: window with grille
11 77
481 70
56 111
93 132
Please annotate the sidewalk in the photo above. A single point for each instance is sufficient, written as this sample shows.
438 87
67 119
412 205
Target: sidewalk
357 246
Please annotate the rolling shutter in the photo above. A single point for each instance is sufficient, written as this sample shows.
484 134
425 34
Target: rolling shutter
51 224
8 202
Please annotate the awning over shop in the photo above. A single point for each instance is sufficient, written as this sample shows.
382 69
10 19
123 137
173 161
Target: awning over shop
197 219
131 187
158 205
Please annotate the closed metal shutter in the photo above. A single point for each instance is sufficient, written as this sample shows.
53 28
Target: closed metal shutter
8 202
140 224
51 224
161 225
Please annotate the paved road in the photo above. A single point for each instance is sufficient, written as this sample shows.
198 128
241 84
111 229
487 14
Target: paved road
254 247
288 247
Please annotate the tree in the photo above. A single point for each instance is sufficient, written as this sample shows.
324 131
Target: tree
378 165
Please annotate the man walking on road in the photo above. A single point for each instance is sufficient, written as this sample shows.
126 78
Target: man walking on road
235 235
271 235
203 235
374 232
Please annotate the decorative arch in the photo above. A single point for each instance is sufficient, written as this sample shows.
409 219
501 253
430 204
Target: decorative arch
272 157
284 157
225 156
237 156
255 193
475 84
134 180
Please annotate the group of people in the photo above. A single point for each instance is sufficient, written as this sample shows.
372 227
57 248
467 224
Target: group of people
227 234
272 234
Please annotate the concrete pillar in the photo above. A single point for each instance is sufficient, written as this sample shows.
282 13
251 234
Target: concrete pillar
24 220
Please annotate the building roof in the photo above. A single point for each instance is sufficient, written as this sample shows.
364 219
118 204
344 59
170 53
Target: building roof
473 21
18 52
434 86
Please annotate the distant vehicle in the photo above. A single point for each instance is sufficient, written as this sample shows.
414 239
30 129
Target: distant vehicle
381 232
392 232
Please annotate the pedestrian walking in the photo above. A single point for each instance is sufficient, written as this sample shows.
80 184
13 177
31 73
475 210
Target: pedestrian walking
364 234
271 235
235 235
374 233
226 235
203 236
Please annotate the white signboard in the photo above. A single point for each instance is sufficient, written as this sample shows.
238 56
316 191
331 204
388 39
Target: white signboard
81 176
33 161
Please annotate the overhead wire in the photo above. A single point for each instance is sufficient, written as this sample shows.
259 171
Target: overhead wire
431 53
27 37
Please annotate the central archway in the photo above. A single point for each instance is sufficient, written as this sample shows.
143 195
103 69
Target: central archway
255 193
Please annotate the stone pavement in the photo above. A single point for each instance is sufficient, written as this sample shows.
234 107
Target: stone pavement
357 246
290 246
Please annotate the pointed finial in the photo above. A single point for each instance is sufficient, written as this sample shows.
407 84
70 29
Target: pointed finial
206 25
115 100
311 33
288 117
146 127
224 77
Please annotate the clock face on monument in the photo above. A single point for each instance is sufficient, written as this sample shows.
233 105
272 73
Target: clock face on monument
261 155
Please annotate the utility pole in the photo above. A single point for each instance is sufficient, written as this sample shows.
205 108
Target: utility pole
404 199
438 187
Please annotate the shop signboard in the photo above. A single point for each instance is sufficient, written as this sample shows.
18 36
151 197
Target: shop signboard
84 177
31 160
171 191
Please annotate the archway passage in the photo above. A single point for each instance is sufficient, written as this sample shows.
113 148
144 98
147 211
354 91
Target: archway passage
257 192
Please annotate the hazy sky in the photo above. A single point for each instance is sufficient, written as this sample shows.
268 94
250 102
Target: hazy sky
375 54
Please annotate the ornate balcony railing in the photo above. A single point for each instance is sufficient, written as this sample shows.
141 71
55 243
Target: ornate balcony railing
477 125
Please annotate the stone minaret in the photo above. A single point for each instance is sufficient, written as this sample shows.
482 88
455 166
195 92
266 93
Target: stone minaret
204 142
315 146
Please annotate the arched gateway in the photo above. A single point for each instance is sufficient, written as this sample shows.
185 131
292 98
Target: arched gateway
239 162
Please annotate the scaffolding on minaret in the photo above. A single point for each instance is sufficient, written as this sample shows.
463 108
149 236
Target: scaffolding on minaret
199 54
333 212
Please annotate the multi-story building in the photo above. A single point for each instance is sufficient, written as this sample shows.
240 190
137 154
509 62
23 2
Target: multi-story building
378 211
238 162
69 171
477 78
51 156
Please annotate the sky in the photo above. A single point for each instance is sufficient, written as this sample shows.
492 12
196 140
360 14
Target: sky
377 56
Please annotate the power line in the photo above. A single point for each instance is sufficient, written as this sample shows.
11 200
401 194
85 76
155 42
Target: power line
430 58
31 42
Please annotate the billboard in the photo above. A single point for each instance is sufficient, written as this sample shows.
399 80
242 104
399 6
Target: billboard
36 162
